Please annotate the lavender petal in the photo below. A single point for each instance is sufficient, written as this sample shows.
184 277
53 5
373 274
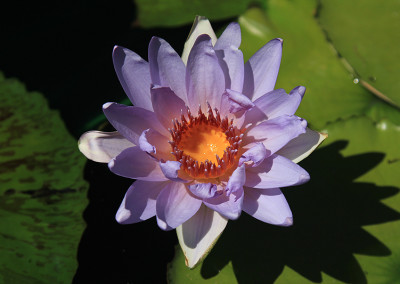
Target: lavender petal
231 36
229 206
255 155
275 103
139 202
167 105
230 57
175 206
166 67
268 205
155 144
171 170
203 190
261 71
236 180
131 121
234 102
134 76
205 81
136 164
276 171
277 132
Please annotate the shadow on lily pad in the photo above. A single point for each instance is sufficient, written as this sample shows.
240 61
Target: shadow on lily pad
329 212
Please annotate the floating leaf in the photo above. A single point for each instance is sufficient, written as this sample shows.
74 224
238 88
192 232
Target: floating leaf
309 60
42 191
168 13
366 34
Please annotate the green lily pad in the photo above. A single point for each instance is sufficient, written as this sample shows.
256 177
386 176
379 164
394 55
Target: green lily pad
169 13
382 138
366 33
309 60
346 219
42 191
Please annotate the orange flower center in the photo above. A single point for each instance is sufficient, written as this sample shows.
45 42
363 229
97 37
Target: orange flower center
203 142
206 146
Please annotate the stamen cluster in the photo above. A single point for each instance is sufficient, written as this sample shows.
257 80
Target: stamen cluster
205 169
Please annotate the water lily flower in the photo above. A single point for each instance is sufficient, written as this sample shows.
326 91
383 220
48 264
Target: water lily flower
207 136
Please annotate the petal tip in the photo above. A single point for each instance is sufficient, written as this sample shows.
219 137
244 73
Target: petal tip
122 215
288 222
303 123
304 178
163 225
111 163
107 105
301 90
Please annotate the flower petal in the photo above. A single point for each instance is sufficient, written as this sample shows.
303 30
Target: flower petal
231 36
204 77
277 132
228 205
274 104
233 102
261 71
155 144
170 170
139 202
175 206
199 234
102 146
167 105
166 67
302 146
236 180
131 121
268 205
255 155
203 190
230 57
201 25
136 164
276 171
134 76
144 144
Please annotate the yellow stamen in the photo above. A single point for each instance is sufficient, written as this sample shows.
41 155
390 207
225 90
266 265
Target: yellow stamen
203 142
206 146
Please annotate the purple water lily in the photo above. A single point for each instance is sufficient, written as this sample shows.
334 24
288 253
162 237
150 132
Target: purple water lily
207 138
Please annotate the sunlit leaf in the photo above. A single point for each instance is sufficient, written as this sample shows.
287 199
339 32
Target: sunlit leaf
309 60
366 34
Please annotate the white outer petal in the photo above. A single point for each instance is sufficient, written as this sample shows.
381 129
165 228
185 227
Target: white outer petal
302 146
101 147
201 25
198 235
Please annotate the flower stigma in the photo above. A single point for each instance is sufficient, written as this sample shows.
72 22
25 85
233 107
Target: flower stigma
205 145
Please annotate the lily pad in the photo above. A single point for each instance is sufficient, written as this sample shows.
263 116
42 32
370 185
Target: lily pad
366 34
346 219
42 191
168 13
309 60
